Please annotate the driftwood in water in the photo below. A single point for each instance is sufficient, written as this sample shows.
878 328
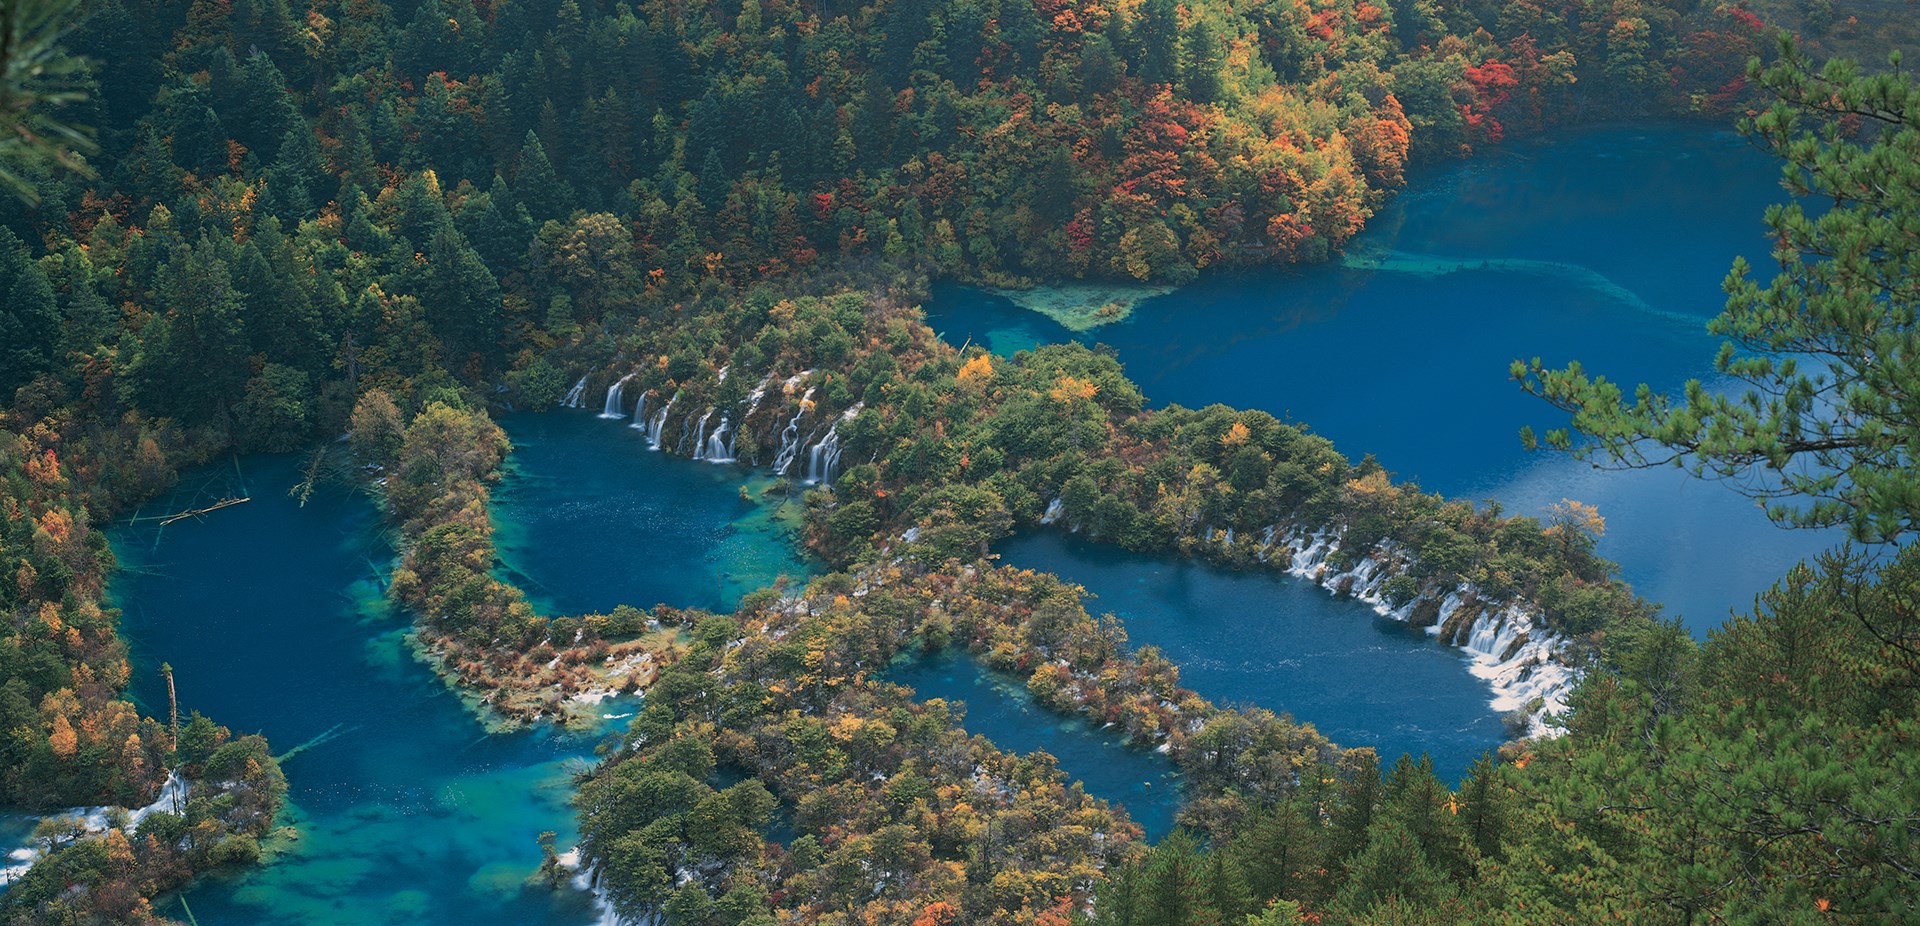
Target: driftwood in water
197 512
304 489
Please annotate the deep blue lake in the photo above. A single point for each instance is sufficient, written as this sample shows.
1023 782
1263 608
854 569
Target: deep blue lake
587 518
272 615
1262 639
1000 708
1605 246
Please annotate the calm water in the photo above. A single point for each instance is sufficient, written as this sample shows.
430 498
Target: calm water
588 518
1000 708
1243 638
407 811
1605 246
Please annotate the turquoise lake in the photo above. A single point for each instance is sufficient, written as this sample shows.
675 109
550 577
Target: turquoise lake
273 618
407 810
1605 246
1261 639
587 518
1000 708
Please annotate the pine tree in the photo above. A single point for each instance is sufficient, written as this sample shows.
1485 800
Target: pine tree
461 299
1155 36
193 360
1825 349
29 318
539 188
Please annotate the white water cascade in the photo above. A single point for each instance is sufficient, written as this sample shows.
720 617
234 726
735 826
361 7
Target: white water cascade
754 399
790 438
95 821
717 449
575 395
586 878
640 412
659 423
699 437
1517 657
612 407
823 462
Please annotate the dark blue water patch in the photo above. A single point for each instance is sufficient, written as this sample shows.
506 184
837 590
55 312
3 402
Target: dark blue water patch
1605 246
1273 641
587 518
1001 709
272 617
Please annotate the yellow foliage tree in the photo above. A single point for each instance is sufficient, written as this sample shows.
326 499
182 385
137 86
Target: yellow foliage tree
1068 389
979 370
62 739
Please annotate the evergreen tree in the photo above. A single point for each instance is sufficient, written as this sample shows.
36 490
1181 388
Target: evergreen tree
1155 36
1825 348
497 227
192 361
29 319
1277 849
1200 71
461 298
1392 867
536 184
297 177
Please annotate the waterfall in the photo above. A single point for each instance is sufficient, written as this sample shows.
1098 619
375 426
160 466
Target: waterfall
656 428
824 456
586 878
699 437
790 438
95 821
753 398
575 394
612 407
1520 660
717 449
640 412
824 462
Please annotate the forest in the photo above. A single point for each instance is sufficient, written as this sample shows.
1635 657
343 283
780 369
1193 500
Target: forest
236 226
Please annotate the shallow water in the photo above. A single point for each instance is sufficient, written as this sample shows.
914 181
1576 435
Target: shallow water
1268 640
1605 246
1000 708
272 617
588 518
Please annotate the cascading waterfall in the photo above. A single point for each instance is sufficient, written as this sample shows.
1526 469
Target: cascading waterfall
824 455
790 438
586 879
823 463
699 437
640 412
753 398
1518 658
95 821
718 449
612 407
659 424
576 394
